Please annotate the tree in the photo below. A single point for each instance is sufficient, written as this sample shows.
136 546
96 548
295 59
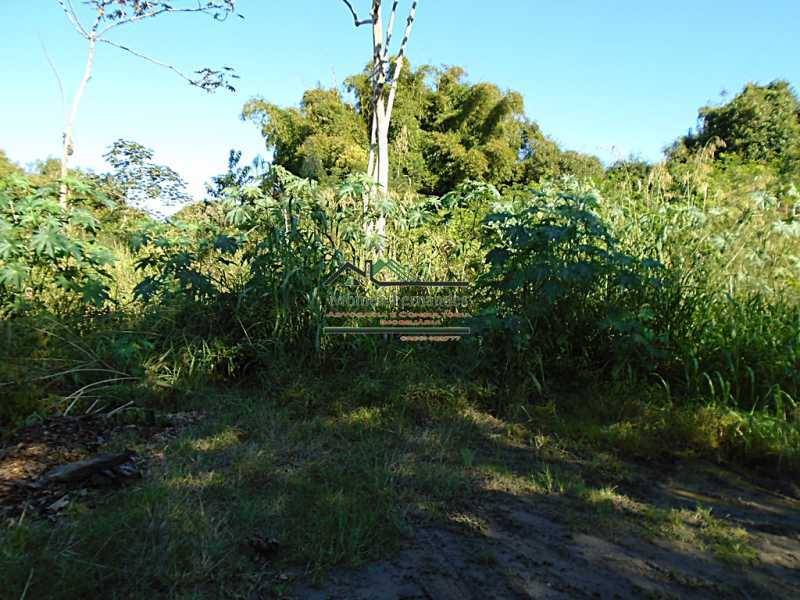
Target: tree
112 14
6 166
139 180
760 123
444 130
324 138
384 77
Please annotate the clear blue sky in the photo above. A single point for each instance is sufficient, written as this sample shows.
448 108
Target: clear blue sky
609 77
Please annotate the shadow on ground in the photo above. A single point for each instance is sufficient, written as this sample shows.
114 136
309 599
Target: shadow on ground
683 530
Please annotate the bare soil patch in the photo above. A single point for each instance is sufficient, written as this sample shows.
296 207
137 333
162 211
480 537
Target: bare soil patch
532 547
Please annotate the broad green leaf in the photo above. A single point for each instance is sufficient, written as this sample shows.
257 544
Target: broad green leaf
226 244
100 255
8 249
147 288
48 241
84 219
14 275
94 292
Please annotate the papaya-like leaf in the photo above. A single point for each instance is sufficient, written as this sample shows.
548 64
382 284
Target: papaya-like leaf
14 275
85 220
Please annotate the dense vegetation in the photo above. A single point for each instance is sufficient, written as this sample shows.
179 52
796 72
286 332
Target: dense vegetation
681 274
444 130
646 309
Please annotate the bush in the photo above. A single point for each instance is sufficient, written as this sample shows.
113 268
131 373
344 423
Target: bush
560 288
50 256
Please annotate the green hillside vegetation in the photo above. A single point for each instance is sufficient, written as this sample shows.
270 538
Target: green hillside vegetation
641 311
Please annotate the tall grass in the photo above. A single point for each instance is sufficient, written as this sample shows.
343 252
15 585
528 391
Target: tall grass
729 233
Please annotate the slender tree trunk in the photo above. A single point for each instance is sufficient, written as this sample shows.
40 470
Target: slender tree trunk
387 105
371 166
373 143
383 168
378 167
68 148
383 99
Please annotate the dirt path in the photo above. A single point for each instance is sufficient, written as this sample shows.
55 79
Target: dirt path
521 523
530 547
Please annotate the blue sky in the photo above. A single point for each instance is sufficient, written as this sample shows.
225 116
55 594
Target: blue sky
609 77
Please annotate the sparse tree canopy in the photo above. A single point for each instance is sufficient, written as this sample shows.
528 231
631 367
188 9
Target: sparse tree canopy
139 179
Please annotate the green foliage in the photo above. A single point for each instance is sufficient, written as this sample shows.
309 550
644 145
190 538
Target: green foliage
253 262
443 131
323 139
44 248
138 180
725 230
236 177
176 259
761 123
559 285
650 311
6 166
681 275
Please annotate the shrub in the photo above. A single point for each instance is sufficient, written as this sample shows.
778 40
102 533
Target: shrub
558 285
50 256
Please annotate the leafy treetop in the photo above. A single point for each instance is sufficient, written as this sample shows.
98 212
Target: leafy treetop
444 130
761 123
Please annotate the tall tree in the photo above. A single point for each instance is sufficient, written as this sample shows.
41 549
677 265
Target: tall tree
107 15
385 77
324 138
760 123
444 130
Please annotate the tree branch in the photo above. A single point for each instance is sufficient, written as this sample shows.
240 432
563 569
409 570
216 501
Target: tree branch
175 70
225 7
389 29
358 22
97 21
398 66
382 64
69 10
58 80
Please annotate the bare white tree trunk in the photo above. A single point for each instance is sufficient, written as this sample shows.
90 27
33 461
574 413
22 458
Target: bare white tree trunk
382 167
379 80
383 102
373 144
382 99
68 147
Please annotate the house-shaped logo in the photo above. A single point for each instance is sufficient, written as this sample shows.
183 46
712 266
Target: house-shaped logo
400 275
